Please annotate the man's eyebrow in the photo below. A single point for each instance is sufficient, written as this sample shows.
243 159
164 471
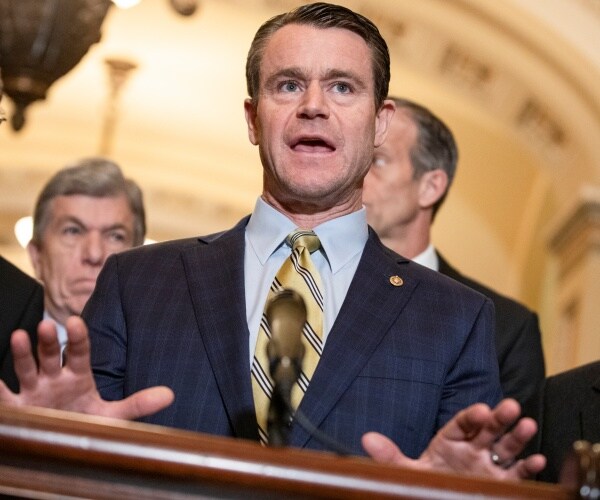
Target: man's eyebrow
293 72
70 218
75 220
118 225
298 73
333 74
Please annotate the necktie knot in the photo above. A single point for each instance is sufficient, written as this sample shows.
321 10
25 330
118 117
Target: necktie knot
303 238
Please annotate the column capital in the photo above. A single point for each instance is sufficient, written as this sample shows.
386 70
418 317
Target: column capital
575 232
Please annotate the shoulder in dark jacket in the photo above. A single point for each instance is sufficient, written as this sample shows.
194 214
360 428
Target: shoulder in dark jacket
21 306
518 343
570 411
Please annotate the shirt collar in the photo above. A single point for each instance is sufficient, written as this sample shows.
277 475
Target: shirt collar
428 258
267 229
60 328
341 238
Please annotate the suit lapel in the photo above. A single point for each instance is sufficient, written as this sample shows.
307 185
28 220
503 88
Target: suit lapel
370 308
215 274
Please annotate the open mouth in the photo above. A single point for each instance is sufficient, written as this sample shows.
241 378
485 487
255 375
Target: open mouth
312 145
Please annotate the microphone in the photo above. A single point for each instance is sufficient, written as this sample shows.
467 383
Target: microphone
286 315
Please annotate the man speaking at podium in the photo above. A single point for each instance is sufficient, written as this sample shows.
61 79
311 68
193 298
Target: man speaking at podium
392 347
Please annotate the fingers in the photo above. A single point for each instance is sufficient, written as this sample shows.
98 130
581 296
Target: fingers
78 347
140 404
467 423
467 443
24 362
482 441
508 444
482 425
529 467
513 442
383 450
522 469
6 395
71 387
48 349
506 412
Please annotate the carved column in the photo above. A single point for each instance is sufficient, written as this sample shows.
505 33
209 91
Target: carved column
575 242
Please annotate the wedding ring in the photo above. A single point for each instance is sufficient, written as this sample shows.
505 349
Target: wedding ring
496 460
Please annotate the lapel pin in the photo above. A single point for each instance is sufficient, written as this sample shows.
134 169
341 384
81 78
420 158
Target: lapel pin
396 280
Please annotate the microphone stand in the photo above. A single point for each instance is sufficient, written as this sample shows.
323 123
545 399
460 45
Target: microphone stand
286 315
280 408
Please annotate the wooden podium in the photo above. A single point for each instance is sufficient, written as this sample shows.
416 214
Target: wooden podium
51 454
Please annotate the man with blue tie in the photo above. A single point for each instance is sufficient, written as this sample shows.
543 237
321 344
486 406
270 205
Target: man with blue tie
404 350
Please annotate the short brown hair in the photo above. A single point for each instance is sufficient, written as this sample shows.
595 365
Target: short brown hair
97 177
434 146
323 15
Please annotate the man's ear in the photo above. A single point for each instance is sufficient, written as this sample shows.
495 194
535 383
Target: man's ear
432 186
251 120
382 121
35 256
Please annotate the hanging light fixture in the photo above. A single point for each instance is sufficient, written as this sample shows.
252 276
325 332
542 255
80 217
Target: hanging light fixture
126 4
42 40
183 7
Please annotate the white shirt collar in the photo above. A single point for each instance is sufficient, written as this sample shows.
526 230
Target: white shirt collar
428 258
61 331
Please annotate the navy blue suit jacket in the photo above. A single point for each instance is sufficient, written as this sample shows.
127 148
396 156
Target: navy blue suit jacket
400 360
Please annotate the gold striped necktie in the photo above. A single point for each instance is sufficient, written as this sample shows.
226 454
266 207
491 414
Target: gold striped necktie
298 273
